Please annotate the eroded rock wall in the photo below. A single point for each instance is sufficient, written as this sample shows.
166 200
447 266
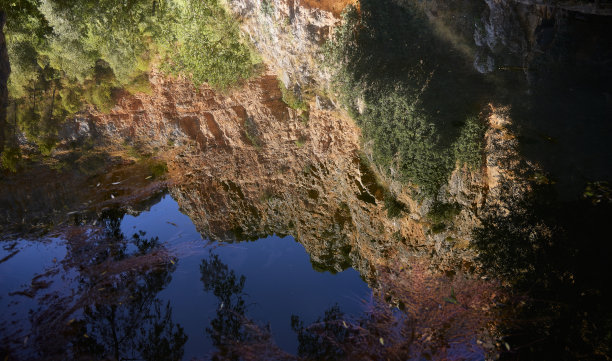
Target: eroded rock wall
245 165
289 34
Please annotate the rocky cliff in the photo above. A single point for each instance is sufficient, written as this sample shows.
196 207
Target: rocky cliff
289 34
246 165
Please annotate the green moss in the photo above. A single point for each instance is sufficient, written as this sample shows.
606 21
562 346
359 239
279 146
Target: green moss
393 206
291 99
158 168
441 213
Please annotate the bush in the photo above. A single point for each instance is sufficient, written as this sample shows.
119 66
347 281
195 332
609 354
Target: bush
64 54
393 206
469 147
291 99
401 95
443 212
202 40
252 133
157 168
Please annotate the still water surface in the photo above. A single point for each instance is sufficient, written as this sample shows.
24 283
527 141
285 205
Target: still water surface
202 279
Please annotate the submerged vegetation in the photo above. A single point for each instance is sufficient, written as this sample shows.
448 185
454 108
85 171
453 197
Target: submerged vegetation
65 55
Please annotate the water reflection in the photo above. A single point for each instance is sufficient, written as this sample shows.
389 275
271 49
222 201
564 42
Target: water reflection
552 251
227 327
100 300
115 296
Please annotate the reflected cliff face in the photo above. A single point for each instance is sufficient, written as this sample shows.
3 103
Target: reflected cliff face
148 286
275 230
245 165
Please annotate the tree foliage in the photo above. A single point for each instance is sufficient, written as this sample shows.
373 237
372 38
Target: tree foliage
201 39
399 82
65 54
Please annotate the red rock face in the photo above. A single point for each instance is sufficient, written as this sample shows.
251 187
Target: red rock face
246 165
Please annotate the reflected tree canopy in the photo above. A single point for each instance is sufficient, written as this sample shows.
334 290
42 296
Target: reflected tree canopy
113 311
553 253
228 288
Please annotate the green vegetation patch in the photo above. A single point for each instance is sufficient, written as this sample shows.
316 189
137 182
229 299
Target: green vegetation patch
252 133
67 54
293 100
443 212
202 39
393 206
407 92
442 215
469 148
157 167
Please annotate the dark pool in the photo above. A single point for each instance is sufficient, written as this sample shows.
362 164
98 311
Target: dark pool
158 287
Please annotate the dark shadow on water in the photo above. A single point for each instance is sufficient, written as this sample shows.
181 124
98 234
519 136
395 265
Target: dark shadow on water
565 118
556 255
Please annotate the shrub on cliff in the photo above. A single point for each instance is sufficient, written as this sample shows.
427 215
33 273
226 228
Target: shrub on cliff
469 147
201 39
409 94
66 54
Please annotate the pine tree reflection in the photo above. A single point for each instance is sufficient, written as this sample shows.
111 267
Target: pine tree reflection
322 339
114 309
228 327
235 335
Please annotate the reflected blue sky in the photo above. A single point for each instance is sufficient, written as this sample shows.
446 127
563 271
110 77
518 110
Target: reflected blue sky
280 280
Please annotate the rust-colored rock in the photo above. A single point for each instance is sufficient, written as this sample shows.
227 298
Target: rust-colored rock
245 165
